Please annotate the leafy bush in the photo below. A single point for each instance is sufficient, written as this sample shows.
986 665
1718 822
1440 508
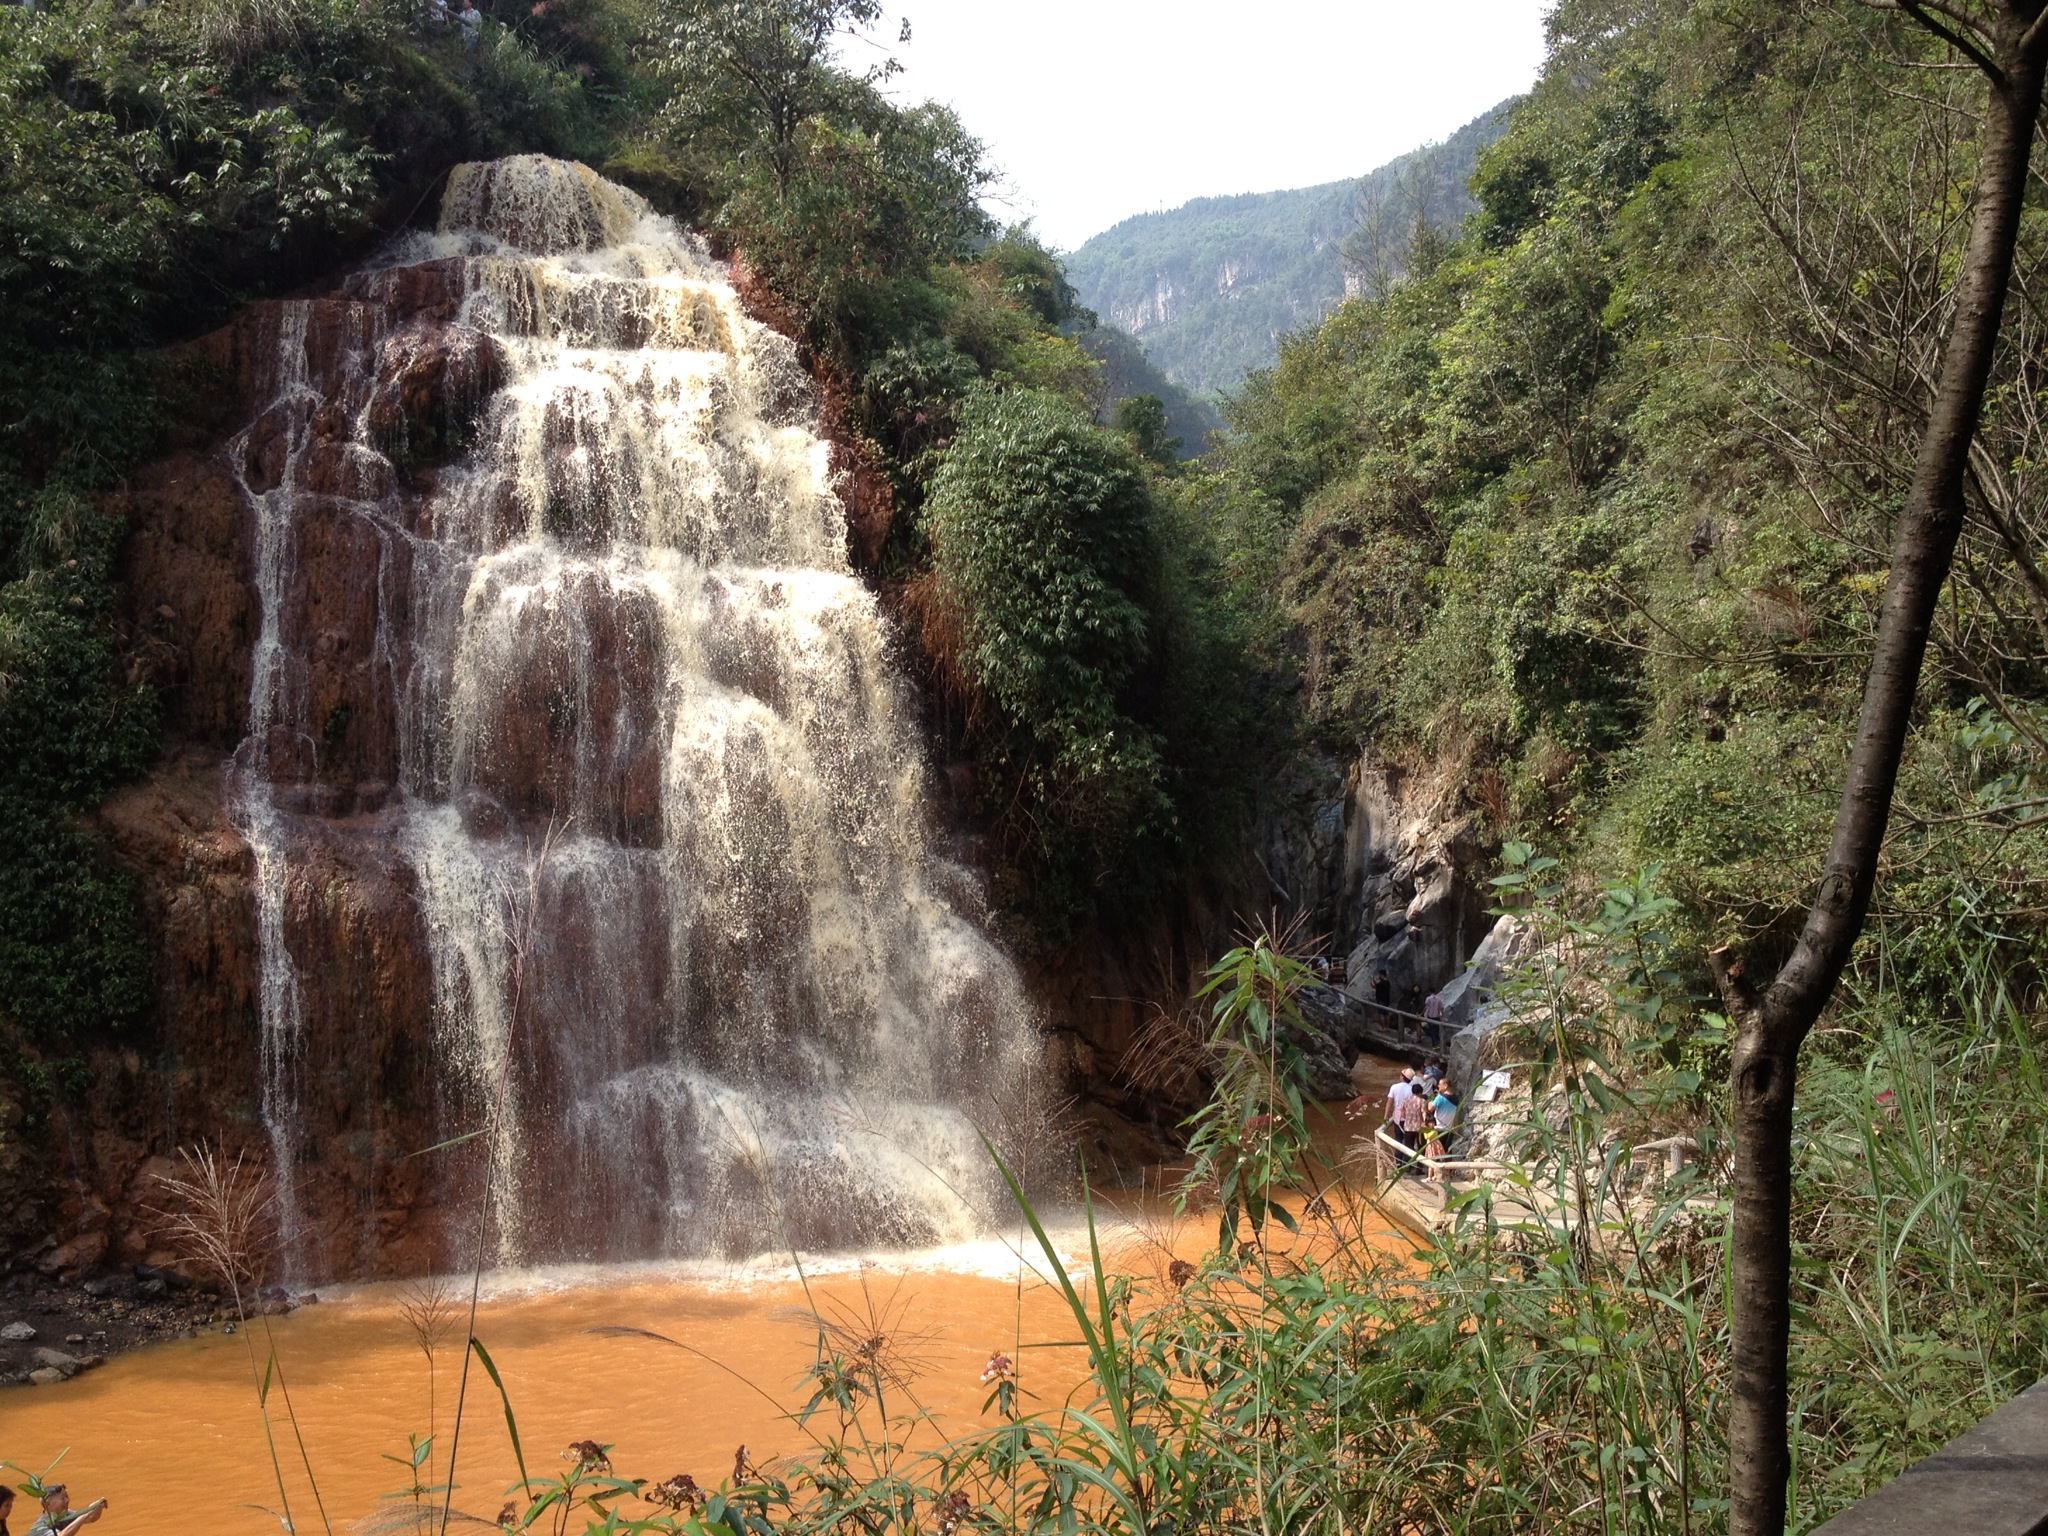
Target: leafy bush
1044 544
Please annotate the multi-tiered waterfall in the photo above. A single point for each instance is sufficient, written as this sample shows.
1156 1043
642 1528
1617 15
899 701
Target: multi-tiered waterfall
659 799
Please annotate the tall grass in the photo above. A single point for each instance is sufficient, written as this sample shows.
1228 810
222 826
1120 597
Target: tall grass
221 1214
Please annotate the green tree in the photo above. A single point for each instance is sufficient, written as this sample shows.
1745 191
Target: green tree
1043 546
1142 419
759 70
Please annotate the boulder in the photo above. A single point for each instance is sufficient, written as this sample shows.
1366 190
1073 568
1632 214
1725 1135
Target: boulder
82 1252
46 1376
1329 1065
432 383
1343 1018
1465 994
57 1360
17 1333
1471 1006
1462 1055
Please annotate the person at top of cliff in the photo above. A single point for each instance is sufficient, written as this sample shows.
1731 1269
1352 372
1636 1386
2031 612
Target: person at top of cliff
58 1518
472 22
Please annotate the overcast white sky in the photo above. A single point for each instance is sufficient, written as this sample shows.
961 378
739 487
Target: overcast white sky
1098 109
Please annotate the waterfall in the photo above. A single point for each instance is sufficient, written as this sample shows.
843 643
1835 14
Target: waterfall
742 1003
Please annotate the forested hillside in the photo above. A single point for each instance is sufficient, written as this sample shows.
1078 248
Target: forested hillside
1209 288
1597 502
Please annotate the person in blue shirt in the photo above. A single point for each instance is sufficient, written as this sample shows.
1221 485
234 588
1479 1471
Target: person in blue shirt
1444 1112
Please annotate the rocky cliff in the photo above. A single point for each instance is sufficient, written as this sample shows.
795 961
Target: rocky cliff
279 578
1385 868
193 1068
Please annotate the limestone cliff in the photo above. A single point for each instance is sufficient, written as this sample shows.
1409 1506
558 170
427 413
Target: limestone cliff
1386 869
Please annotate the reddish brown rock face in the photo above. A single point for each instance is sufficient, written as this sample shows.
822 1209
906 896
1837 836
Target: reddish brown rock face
366 1079
530 545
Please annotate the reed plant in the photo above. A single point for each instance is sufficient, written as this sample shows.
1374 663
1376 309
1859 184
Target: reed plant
221 1214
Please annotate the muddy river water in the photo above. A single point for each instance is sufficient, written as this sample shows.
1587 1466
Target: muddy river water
172 1436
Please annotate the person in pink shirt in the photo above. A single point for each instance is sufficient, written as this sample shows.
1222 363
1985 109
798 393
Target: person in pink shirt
1412 1115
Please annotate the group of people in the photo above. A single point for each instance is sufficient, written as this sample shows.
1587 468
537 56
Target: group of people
1420 1113
1430 1011
58 1517
469 19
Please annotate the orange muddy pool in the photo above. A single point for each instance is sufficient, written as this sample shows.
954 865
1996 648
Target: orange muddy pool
171 1433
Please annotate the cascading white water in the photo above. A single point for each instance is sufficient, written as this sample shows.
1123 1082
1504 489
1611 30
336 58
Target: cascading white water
741 1004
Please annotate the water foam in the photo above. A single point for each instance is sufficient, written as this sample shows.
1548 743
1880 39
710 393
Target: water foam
751 1013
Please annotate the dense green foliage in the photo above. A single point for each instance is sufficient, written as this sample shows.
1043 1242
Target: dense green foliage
1210 287
1100 657
1597 506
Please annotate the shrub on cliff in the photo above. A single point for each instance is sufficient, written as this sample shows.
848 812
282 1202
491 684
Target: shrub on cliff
1095 675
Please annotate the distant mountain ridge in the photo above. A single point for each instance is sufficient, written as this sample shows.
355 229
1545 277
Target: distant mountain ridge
1211 286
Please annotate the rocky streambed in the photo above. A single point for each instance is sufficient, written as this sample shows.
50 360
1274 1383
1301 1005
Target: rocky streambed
51 1330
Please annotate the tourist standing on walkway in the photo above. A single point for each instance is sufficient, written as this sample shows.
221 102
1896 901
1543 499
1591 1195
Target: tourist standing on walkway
1433 1017
1445 1110
1397 1091
1414 1115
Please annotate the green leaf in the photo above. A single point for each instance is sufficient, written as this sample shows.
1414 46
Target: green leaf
511 1423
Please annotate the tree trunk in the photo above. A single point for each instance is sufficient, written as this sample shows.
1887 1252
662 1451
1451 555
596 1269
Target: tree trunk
1771 1027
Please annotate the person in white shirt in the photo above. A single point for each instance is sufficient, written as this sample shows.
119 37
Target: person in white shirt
1397 1094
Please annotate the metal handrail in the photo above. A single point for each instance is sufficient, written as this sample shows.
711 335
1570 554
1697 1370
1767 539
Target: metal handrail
1366 1002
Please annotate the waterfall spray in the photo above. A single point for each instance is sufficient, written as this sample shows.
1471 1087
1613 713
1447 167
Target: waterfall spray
620 603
